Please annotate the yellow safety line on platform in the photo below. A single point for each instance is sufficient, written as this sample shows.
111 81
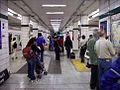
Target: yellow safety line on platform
80 67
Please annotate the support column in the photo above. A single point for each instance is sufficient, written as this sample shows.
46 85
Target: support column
75 36
84 26
75 39
35 29
25 28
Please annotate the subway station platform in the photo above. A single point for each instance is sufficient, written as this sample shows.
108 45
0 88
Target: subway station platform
61 76
20 20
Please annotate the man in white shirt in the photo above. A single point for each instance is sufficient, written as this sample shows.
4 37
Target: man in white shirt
105 51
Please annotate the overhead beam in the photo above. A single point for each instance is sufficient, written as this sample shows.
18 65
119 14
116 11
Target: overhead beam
70 18
35 13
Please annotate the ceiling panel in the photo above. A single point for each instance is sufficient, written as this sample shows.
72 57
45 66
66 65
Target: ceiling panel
22 7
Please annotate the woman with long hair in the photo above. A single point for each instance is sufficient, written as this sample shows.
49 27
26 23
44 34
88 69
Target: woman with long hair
32 60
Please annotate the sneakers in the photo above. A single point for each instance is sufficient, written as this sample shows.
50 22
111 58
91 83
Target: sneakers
32 81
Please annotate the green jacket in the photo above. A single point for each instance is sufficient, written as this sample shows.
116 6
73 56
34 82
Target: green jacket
92 53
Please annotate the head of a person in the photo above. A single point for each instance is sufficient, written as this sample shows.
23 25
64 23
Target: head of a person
14 39
90 36
68 38
95 33
31 41
101 33
55 38
39 34
83 36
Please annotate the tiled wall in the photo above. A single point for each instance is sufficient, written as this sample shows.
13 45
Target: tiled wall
25 35
4 52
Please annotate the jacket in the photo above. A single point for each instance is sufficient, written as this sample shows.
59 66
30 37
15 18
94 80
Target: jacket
111 79
92 54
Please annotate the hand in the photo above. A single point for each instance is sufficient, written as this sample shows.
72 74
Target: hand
39 48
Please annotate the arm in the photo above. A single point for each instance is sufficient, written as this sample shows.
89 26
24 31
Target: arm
111 49
71 44
111 77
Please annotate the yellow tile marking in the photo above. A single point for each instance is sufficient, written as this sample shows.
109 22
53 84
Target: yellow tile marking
80 67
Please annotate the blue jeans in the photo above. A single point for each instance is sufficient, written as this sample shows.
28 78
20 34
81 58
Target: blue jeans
31 68
103 66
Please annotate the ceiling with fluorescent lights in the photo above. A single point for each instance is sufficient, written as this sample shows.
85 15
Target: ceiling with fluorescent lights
72 12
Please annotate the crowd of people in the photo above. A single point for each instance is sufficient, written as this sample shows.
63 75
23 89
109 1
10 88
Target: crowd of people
34 53
105 73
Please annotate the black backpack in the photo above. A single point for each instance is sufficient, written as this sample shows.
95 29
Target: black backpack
72 55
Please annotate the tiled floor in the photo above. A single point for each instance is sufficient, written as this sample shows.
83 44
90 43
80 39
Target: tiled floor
69 79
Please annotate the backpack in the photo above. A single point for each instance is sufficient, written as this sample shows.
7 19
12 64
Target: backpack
15 45
72 55
27 53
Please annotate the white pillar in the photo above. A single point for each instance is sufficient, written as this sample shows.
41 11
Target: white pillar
75 39
75 25
84 27
75 36
25 28
35 29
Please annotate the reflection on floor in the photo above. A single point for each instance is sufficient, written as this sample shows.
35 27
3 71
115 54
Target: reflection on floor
69 79
15 65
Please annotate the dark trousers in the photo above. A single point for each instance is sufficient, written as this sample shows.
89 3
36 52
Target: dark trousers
31 68
42 56
82 53
57 53
68 52
94 77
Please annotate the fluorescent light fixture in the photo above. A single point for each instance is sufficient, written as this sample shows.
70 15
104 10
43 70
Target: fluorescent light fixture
54 5
9 13
14 14
54 12
93 13
55 24
55 20
31 22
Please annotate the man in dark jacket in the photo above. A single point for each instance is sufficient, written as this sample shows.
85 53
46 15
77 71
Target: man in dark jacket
93 60
68 46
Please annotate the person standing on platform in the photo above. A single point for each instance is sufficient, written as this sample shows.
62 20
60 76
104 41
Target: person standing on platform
31 59
83 46
14 47
93 60
105 51
41 43
57 48
111 79
68 46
